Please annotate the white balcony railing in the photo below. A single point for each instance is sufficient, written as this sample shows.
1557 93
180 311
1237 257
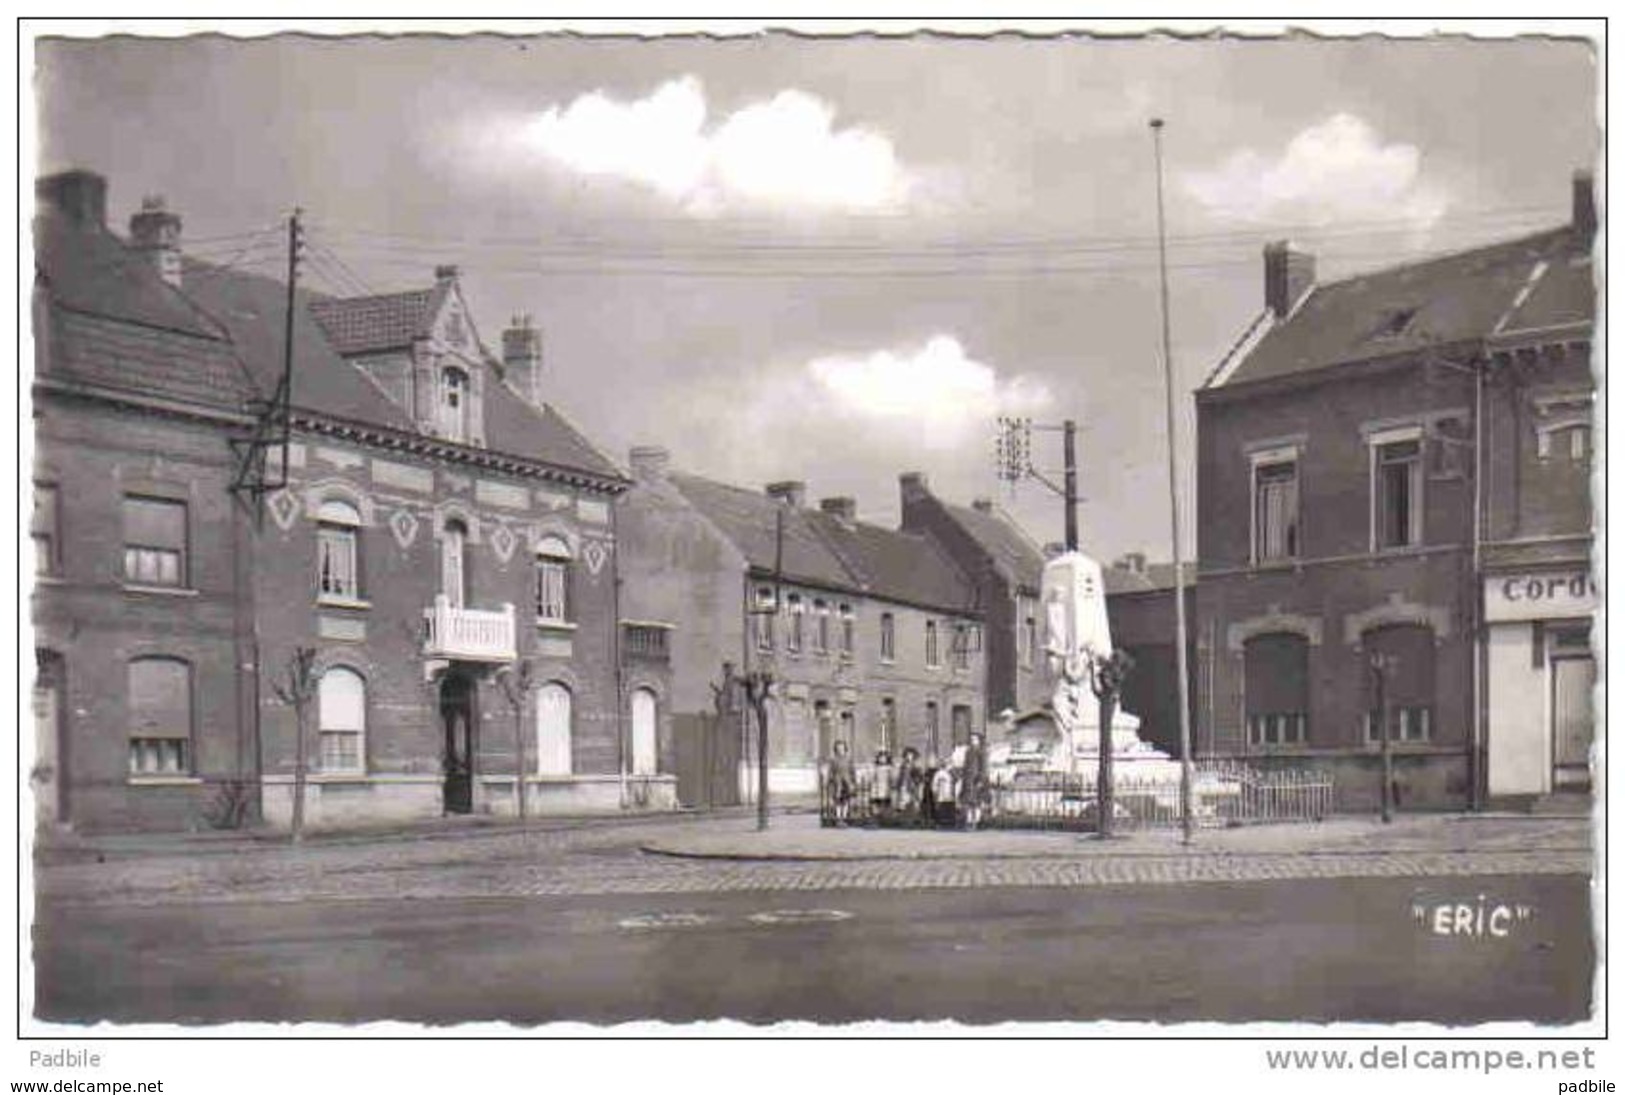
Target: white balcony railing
468 634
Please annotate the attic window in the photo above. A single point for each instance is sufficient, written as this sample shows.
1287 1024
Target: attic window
1395 323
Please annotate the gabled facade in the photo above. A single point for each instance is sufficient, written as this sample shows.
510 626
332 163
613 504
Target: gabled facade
1377 459
873 636
434 525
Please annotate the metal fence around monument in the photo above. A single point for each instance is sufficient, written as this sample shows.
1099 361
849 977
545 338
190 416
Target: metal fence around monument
1223 794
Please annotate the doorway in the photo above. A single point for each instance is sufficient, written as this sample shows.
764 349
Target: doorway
1573 727
457 716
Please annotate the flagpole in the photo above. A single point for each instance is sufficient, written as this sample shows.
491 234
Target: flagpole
1185 770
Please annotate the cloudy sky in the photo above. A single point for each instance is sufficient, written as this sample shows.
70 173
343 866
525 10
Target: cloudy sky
839 259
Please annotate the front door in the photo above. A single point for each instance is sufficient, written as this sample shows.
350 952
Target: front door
457 718
1572 725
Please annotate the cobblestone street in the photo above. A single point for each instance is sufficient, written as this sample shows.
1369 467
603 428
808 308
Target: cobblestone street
726 855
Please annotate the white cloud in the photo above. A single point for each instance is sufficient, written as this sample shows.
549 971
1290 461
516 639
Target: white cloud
1336 170
785 150
935 389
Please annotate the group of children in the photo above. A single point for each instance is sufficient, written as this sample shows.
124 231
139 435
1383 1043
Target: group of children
911 791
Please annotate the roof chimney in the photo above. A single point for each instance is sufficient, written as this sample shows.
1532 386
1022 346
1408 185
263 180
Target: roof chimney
522 357
80 195
792 492
844 507
1133 562
155 233
448 272
914 486
650 461
1585 204
982 505
1289 274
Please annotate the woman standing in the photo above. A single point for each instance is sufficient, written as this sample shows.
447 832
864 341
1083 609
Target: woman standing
843 782
974 791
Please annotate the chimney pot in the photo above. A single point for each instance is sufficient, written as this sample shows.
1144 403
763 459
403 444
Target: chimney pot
1289 274
792 492
650 461
81 195
844 507
914 487
446 272
1585 203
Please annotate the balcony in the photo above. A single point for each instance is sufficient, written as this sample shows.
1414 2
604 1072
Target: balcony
467 634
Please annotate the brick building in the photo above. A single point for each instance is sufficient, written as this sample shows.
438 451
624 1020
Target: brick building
435 521
1375 455
1006 565
873 635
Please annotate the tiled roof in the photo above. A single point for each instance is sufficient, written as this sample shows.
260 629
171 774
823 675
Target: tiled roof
1450 298
513 424
1006 542
388 321
897 566
253 308
116 324
748 520
1153 578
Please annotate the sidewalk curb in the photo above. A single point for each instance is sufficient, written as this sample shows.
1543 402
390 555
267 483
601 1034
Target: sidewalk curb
1068 857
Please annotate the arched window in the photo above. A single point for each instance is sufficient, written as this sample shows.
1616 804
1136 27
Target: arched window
338 569
453 562
1277 689
1405 653
342 715
553 580
888 637
933 654
645 734
554 730
454 395
820 627
160 709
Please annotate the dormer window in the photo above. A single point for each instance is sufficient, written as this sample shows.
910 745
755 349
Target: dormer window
1394 323
454 393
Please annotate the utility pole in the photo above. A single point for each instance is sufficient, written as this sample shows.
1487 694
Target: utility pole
1014 463
1186 775
1069 453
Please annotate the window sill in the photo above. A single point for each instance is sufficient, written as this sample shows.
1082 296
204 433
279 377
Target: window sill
328 600
160 591
164 781
555 625
339 777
